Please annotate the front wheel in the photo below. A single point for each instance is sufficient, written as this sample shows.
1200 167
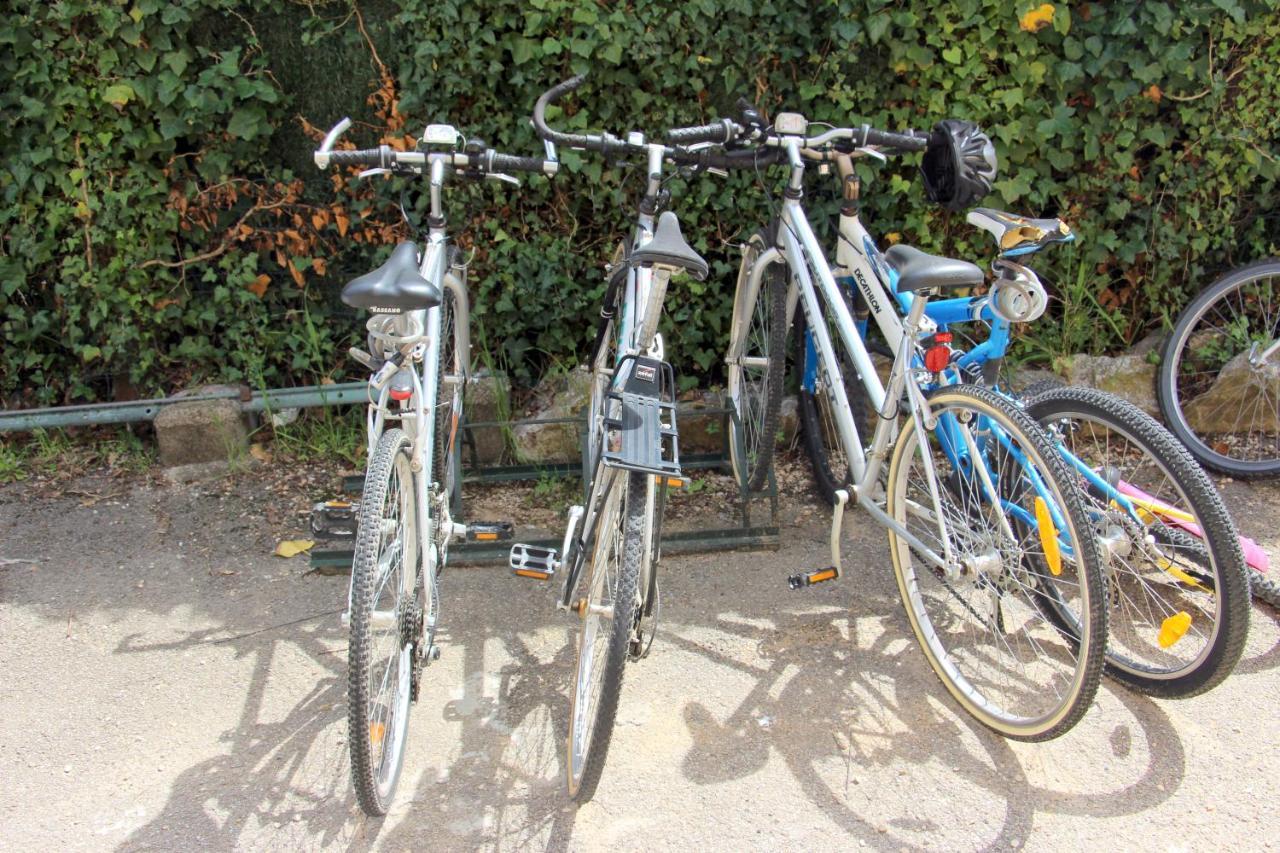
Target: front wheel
1219 381
757 364
609 611
1178 596
987 492
386 623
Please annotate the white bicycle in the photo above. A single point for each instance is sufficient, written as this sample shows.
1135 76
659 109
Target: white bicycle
419 353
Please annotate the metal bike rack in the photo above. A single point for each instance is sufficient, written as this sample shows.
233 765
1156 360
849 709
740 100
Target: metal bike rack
756 530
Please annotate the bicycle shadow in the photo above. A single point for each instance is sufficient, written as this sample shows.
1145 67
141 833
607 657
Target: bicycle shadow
286 778
503 785
877 744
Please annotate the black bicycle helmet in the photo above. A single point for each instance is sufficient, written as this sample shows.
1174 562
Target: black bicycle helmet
959 164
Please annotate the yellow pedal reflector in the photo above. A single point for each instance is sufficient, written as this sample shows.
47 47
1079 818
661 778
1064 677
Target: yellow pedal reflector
669 482
824 575
1173 628
533 573
376 731
1048 537
486 537
337 504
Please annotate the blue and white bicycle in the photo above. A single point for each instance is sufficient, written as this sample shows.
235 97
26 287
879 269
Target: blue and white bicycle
1178 600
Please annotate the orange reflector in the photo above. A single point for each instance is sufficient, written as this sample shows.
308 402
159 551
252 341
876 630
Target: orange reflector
337 504
531 573
1173 628
486 537
1048 537
376 731
669 482
824 575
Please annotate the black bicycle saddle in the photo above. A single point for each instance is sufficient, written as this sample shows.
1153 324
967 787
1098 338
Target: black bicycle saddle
668 248
393 287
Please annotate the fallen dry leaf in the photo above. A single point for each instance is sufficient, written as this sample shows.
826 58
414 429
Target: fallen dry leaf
1037 19
293 547
260 452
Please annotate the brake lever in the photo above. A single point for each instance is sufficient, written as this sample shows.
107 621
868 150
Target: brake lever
499 176
867 151
368 173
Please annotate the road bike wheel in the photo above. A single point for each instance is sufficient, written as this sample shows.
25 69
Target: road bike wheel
1217 392
1177 590
818 431
386 623
980 623
757 370
608 610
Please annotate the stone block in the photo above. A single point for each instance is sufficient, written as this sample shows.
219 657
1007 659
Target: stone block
1129 376
200 432
1243 399
487 399
564 396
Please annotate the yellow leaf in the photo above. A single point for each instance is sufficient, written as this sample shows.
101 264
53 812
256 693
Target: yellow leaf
259 286
318 264
1153 92
893 238
1037 19
260 452
293 547
297 275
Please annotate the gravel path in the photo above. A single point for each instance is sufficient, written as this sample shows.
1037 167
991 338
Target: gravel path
165 683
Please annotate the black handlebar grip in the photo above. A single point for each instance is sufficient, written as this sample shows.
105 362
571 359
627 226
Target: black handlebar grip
366 157
748 158
719 132
499 162
901 141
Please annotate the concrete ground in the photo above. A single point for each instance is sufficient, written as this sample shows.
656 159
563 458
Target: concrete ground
167 684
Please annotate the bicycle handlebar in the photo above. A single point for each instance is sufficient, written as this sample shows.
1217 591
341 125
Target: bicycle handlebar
721 132
487 161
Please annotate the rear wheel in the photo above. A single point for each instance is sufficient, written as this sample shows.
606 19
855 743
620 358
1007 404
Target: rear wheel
757 365
1219 380
386 623
608 610
1178 596
980 620
451 384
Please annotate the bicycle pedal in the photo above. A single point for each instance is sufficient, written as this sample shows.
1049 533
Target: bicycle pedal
671 482
534 562
490 531
805 579
335 519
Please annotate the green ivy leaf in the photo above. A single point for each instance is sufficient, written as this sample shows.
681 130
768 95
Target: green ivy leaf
118 94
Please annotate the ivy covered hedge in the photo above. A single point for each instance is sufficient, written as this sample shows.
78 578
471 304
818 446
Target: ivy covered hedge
161 222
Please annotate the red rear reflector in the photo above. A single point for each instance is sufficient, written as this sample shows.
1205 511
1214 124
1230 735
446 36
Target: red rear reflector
936 358
401 394
942 338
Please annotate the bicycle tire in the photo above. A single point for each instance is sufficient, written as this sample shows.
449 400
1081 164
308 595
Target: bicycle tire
1264 589
997 568
375 772
1143 593
622 527
1175 352
758 404
818 435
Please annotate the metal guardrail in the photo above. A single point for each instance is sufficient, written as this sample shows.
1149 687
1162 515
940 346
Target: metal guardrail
135 411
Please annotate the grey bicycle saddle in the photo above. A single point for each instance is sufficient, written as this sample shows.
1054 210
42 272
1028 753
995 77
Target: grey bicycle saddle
668 248
918 270
393 287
